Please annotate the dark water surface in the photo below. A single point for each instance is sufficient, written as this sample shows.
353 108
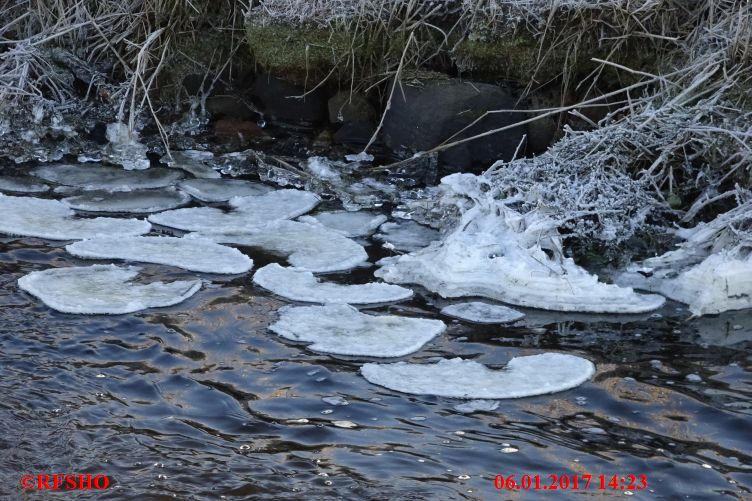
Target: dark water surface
201 401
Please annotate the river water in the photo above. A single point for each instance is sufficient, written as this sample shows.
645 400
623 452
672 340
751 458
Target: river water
201 401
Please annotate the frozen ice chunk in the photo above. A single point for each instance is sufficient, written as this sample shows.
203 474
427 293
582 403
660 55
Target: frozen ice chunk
482 313
194 162
22 185
310 247
301 285
340 329
36 217
103 289
90 177
515 258
406 235
124 148
192 254
476 406
360 157
721 282
249 213
221 190
458 378
350 224
137 201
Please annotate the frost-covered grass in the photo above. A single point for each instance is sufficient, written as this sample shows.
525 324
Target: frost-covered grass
57 56
675 151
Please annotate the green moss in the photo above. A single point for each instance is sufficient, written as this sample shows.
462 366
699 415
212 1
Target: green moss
514 57
297 53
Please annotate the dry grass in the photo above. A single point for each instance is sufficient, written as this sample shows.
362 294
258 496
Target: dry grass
116 48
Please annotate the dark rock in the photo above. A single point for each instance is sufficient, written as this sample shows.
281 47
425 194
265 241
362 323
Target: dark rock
355 135
237 132
542 133
278 102
345 107
231 107
422 117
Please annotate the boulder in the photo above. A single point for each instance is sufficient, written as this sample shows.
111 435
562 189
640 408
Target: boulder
423 116
278 102
346 107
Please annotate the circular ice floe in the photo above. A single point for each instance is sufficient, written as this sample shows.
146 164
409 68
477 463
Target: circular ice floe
350 224
22 185
482 313
458 378
301 285
310 247
278 204
191 254
406 235
103 289
221 190
89 177
137 201
250 212
36 217
340 329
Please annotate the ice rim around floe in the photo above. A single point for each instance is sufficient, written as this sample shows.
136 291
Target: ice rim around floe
301 285
193 254
222 190
53 220
100 177
248 212
17 184
310 247
482 313
103 290
350 223
522 377
499 253
340 329
134 202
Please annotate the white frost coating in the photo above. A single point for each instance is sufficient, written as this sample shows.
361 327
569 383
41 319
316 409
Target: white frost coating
482 313
340 329
103 289
406 235
89 177
191 254
53 220
498 253
458 378
221 190
310 247
350 224
137 201
721 282
301 285
249 213
22 185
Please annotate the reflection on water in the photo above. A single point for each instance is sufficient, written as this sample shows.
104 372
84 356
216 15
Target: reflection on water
200 401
